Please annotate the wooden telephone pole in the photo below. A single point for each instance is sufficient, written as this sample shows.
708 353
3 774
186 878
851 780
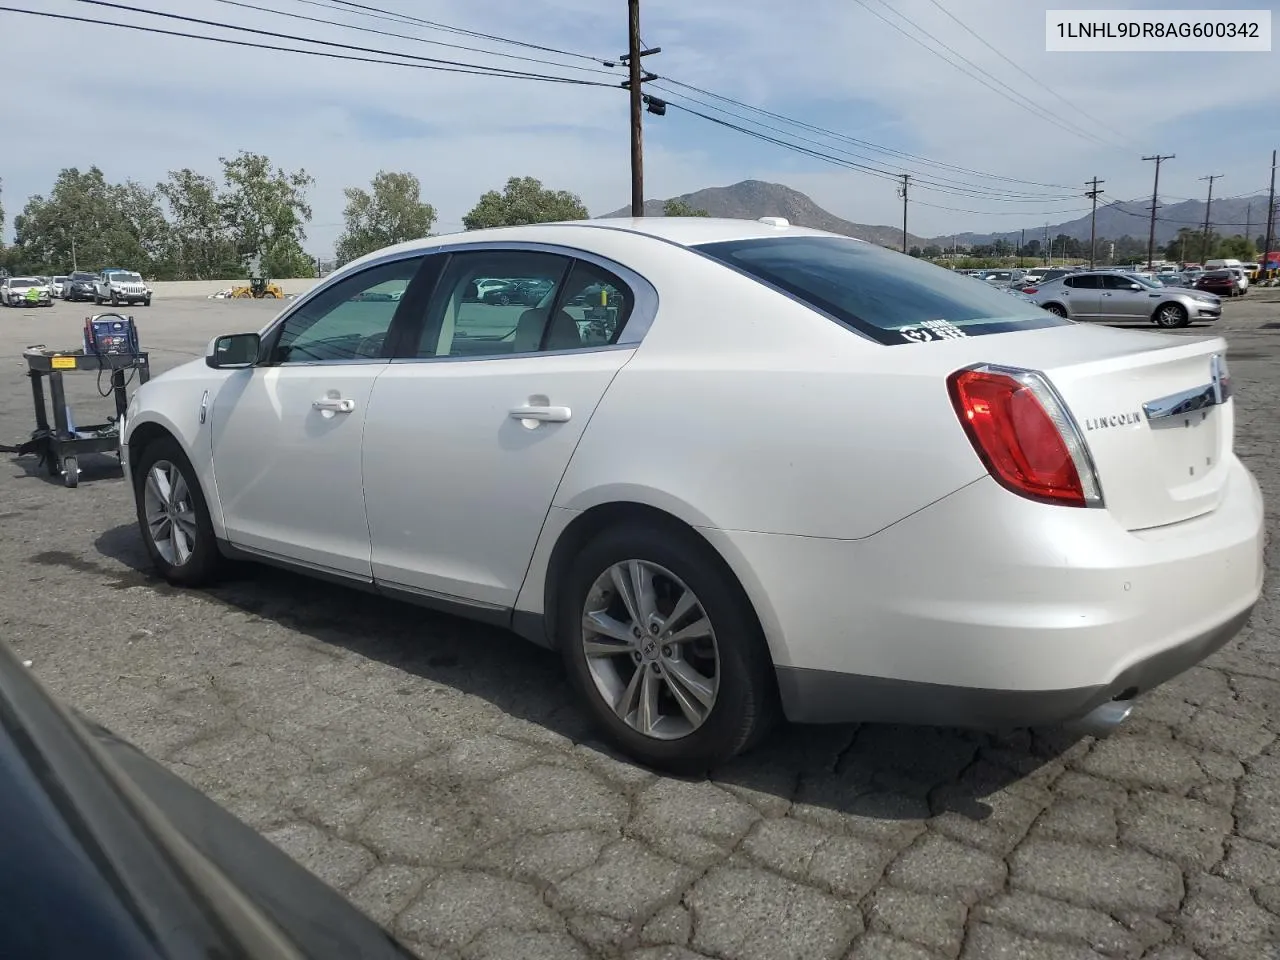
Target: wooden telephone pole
1208 205
633 84
902 192
1093 194
1155 200
1271 216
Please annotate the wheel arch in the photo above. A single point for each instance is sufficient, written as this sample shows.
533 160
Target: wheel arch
153 425
544 580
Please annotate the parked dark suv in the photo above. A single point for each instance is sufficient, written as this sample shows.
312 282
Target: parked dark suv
79 286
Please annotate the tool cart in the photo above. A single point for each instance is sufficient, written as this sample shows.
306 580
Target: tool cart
110 347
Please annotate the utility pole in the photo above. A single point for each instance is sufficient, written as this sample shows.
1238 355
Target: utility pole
1271 215
1047 252
637 77
902 192
1093 194
1155 200
74 265
1208 205
1248 222
1022 242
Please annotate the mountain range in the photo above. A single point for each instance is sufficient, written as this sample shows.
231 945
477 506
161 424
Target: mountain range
751 199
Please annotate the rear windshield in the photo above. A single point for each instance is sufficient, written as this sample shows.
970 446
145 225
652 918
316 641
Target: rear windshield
890 297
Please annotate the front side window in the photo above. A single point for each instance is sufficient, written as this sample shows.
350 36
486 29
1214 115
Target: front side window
349 320
889 297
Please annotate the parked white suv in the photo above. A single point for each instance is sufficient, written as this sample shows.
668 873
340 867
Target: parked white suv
121 286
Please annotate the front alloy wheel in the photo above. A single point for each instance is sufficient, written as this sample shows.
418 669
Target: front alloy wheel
651 650
171 518
1172 315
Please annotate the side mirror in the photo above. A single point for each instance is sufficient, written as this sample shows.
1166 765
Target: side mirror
233 352
1135 286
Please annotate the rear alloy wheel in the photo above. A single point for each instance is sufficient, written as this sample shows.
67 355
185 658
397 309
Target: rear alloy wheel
665 649
1172 315
173 515
1056 310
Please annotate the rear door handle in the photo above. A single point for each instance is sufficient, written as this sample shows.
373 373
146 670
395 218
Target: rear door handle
334 405
544 414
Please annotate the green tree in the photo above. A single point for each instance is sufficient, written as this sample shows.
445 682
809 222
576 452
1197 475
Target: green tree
679 208
266 211
90 223
201 245
524 200
391 211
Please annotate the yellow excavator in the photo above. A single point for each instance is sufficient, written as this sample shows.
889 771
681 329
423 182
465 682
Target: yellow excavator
259 288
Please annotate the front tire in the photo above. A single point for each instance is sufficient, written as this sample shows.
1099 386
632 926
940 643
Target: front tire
1171 316
173 516
662 645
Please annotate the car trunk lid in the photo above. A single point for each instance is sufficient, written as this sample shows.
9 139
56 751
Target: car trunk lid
1153 409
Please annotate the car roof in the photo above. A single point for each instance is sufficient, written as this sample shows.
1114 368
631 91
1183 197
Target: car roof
685 231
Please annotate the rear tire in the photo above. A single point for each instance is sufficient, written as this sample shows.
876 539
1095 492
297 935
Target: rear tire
190 557
732 702
1056 310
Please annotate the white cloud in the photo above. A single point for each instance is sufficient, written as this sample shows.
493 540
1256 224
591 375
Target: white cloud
140 105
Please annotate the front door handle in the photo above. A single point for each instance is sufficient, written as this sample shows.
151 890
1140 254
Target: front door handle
333 405
543 414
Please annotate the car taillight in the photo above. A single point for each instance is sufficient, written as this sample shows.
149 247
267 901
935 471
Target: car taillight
1024 435
1029 290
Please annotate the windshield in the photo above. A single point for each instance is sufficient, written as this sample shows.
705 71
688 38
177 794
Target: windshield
23 282
124 277
890 297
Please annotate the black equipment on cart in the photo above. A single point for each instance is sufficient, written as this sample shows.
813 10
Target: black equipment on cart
110 345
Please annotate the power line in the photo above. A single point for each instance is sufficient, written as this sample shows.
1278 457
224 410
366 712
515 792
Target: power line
875 147
481 72
406 36
324 43
1002 213
367 10
997 87
406 18
1030 76
932 182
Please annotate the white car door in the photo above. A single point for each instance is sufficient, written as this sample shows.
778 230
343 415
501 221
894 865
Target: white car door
286 434
466 442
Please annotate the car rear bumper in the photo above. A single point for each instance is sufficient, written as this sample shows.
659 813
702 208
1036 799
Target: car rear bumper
988 610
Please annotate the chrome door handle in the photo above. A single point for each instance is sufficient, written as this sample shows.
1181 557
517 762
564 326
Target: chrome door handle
334 405
543 414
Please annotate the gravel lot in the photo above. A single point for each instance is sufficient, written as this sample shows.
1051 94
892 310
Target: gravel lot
439 773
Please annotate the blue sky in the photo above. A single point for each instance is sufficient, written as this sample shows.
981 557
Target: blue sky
143 105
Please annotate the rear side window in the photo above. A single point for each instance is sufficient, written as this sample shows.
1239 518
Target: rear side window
887 296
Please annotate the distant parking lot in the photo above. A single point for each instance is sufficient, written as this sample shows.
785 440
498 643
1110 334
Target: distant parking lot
441 775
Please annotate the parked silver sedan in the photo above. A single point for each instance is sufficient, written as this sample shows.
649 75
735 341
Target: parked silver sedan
1113 297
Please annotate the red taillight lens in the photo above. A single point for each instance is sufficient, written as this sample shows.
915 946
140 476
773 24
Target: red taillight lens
1030 289
1024 436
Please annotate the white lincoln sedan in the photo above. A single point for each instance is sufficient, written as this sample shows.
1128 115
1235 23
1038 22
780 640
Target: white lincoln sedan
731 470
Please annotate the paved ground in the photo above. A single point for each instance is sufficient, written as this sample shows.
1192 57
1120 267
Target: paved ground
439 773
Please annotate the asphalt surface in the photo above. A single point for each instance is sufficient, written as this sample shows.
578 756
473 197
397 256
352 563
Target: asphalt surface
440 774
